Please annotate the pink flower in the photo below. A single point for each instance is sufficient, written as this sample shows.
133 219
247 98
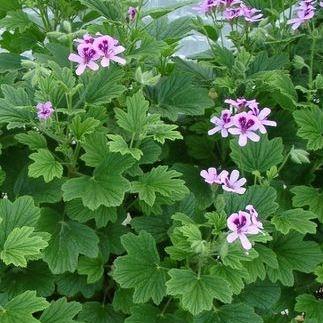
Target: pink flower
241 103
87 55
231 13
87 39
206 6
304 12
229 3
240 224
132 13
232 183
254 217
262 115
211 176
250 14
109 49
44 110
246 125
222 123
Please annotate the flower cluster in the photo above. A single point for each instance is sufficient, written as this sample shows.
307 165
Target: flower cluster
91 49
229 182
44 110
242 224
244 119
231 9
304 12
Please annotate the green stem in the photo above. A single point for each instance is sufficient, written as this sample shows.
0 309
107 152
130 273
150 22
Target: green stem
284 162
165 307
310 75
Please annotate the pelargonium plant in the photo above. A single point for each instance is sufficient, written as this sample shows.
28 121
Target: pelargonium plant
141 182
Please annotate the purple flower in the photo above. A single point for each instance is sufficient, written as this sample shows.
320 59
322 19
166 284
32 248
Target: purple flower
87 39
206 6
304 12
211 176
232 183
254 217
229 3
262 115
87 55
241 103
250 14
231 13
44 110
245 127
222 123
109 49
241 225
132 13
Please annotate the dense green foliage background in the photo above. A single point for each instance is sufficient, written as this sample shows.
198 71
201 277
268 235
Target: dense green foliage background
104 215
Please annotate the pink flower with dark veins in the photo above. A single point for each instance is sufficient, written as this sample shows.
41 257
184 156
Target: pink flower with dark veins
108 48
232 183
231 13
87 39
241 225
87 55
44 110
262 115
305 11
211 176
222 124
206 6
132 13
250 14
241 103
254 217
245 127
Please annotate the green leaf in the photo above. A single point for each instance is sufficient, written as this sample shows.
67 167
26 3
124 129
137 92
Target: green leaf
119 145
104 8
61 311
32 139
309 196
293 254
91 267
176 95
21 212
35 277
80 127
9 62
233 276
69 239
160 180
319 273
21 244
41 192
192 178
310 123
96 149
103 86
14 107
296 219
263 295
148 47
312 307
135 119
45 165
299 156
122 300
232 313
102 215
260 156
72 285
21 308
96 312
197 293
140 268
279 86
106 187
262 198
16 20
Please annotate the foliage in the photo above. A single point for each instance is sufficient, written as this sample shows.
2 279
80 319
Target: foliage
106 214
